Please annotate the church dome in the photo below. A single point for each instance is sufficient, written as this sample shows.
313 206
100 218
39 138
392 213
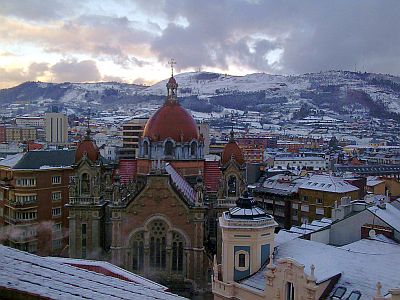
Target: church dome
232 151
87 147
171 121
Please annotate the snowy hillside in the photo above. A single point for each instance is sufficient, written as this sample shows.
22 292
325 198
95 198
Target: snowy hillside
337 91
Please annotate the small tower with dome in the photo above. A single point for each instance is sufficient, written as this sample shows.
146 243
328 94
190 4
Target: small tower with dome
248 234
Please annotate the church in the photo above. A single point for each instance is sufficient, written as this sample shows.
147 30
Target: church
161 225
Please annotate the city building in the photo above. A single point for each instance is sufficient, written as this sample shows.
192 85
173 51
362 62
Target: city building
131 133
299 268
29 121
33 194
315 163
20 134
56 128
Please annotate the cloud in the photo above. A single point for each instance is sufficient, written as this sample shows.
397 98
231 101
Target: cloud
313 35
37 10
70 70
74 71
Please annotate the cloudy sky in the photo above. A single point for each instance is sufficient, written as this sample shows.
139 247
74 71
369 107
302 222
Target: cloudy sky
132 40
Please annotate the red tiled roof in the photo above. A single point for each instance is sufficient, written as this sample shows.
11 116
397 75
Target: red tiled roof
127 170
212 175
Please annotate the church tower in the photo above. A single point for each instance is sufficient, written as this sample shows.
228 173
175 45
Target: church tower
89 190
247 239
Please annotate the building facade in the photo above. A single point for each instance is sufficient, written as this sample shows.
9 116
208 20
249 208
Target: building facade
131 133
154 224
33 195
56 128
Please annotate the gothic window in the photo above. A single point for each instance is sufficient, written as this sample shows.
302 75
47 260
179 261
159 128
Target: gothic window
85 184
193 149
168 148
138 252
83 240
146 148
232 186
158 234
177 252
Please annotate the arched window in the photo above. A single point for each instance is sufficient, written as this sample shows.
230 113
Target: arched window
242 260
169 148
145 148
177 252
85 183
232 186
138 252
193 149
158 234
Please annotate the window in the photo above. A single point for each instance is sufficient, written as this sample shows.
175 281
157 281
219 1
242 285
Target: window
26 216
138 251
56 245
339 292
177 252
193 149
145 148
158 245
56 212
1 195
26 182
25 199
232 188
318 201
55 179
32 247
289 291
242 260
85 183
57 227
83 240
354 295
169 148
56 196
305 198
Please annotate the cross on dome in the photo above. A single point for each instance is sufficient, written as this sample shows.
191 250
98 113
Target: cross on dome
172 62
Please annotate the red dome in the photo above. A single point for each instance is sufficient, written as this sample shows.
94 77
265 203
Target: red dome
87 147
232 150
171 121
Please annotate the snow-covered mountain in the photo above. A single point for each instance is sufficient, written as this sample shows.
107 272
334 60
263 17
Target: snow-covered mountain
340 91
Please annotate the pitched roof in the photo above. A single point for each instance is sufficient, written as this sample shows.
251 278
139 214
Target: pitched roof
361 264
328 183
46 159
181 184
47 277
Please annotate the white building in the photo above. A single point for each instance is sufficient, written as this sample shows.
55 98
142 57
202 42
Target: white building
56 127
29 121
296 162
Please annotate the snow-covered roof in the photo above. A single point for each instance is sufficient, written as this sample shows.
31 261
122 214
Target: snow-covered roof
390 214
373 180
11 160
361 264
46 277
328 183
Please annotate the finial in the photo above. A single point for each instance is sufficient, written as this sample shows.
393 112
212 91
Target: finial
312 277
172 62
378 289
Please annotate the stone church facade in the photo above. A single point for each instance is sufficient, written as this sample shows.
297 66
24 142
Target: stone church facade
155 226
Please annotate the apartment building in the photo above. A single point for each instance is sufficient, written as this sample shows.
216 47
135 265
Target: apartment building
131 133
33 194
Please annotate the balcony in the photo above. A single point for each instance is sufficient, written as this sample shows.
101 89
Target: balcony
84 201
227 202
